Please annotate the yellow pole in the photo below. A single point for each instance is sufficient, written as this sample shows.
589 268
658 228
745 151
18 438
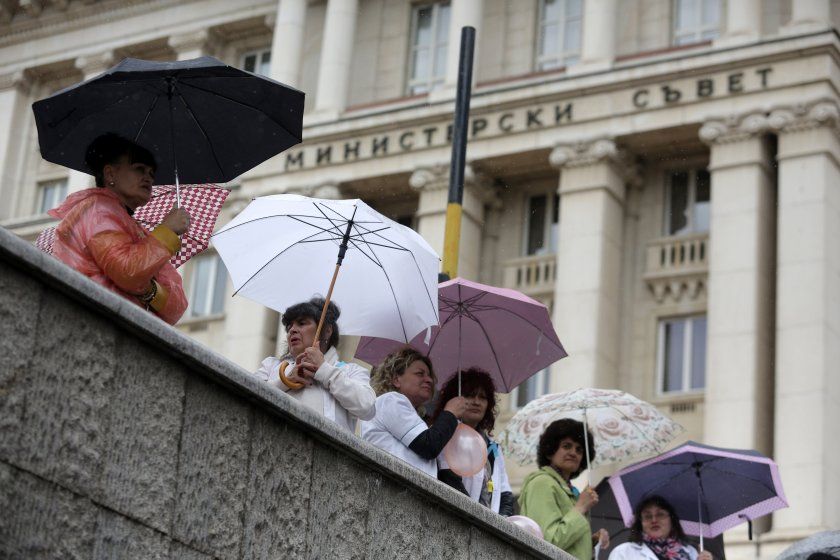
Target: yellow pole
451 239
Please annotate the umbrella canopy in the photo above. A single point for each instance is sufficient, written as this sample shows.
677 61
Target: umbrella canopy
622 426
501 331
712 489
607 515
282 250
825 542
202 202
214 120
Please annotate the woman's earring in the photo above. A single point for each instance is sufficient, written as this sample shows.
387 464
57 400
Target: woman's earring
110 183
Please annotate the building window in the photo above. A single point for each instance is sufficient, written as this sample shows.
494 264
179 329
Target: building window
429 45
51 194
695 21
542 213
535 386
559 33
687 202
681 355
207 286
257 62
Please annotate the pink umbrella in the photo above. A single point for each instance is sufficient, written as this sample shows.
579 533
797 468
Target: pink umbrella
203 202
499 330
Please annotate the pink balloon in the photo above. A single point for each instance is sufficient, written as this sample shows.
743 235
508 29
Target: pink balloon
526 523
466 451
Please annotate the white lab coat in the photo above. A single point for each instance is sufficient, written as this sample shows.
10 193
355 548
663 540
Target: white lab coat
636 551
341 391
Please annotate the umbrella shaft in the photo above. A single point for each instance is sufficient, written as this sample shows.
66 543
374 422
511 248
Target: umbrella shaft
326 305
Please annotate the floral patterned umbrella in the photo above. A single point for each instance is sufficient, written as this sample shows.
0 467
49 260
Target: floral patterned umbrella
622 426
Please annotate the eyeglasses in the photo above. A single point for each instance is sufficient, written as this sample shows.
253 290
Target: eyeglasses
654 516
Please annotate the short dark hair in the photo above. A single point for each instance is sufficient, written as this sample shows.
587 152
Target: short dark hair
108 149
556 432
636 533
473 380
312 309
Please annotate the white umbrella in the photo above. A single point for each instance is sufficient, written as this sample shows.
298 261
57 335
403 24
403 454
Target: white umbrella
283 249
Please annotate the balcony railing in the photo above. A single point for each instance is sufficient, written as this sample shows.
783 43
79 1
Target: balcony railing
677 265
533 275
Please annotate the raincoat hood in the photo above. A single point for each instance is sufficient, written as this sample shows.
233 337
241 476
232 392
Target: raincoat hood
77 198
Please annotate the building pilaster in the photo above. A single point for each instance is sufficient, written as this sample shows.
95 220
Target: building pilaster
593 178
336 57
599 35
741 255
287 42
807 388
433 185
15 91
743 23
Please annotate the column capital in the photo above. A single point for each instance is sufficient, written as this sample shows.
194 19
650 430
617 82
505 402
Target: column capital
594 152
436 177
806 116
200 41
93 64
19 79
734 128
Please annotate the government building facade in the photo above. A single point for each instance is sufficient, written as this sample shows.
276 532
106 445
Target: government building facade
663 174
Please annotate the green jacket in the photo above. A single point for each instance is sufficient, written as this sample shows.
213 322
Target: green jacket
548 499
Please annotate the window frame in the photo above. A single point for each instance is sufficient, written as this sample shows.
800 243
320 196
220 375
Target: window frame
688 355
553 197
543 379
695 34
42 186
192 314
431 82
692 200
543 61
258 53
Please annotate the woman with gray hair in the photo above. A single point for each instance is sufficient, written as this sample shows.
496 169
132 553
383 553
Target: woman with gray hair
315 374
405 381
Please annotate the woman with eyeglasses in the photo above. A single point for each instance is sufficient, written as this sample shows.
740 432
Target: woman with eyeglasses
656 534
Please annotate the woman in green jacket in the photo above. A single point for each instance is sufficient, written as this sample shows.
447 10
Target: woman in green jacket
549 498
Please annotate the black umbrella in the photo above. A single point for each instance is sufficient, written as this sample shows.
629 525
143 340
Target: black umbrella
607 515
204 121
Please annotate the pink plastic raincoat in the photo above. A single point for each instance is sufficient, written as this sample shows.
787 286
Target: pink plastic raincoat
101 240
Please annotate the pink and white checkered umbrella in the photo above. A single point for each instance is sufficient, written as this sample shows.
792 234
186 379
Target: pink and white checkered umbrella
202 202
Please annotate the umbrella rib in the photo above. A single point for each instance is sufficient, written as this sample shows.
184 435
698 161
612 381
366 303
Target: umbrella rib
183 81
638 429
492 349
740 475
145 120
266 218
270 261
393 293
201 128
365 254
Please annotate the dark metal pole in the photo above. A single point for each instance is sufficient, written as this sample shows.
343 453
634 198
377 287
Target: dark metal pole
460 127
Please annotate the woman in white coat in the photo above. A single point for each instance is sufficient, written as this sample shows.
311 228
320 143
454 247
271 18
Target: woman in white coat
339 390
490 487
405 381
656 534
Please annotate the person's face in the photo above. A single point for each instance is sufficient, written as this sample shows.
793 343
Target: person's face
656 523
300 334
476 409
416 383
132 182
568 456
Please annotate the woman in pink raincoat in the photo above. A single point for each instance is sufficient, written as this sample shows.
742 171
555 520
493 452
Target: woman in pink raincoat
98 237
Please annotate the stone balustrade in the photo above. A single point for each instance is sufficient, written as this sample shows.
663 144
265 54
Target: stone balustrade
533 275
677 266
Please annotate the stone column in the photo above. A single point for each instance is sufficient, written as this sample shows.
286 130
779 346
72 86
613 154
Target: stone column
743 23
587 300
191 45
808 15
739 366
287 42
598 41
336 57
808 316
433 185
90 67
464 13
14 112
